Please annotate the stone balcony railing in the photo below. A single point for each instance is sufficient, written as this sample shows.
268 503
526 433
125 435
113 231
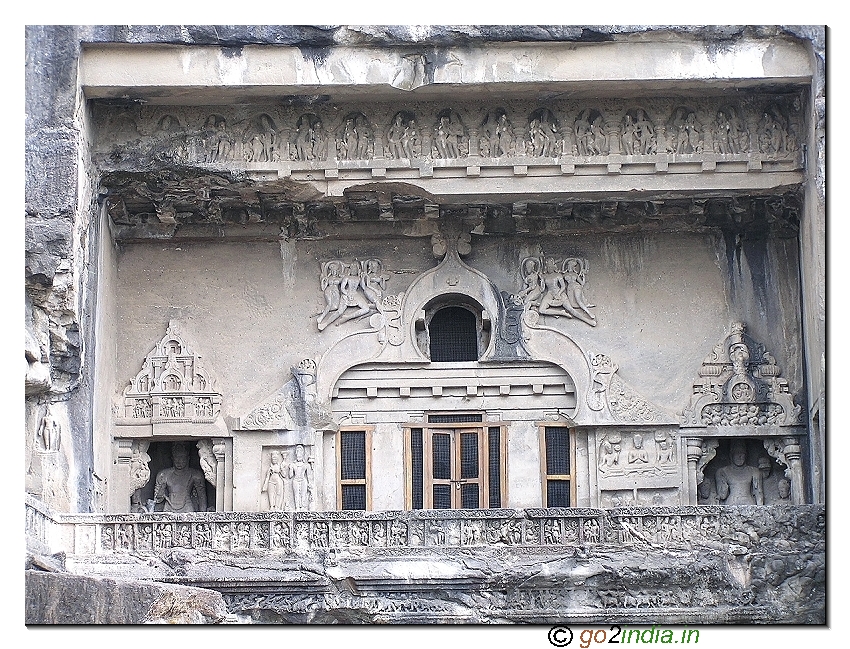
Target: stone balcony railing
98 534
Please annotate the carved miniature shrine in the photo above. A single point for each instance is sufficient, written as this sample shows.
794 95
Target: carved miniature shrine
347 318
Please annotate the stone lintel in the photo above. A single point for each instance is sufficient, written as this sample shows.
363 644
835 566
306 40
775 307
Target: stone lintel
173 74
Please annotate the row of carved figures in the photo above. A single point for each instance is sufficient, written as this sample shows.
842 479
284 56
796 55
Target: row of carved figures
540 134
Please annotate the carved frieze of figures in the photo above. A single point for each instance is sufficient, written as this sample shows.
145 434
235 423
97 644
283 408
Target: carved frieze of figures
312 140
497 136
765 125
352 290
449 137
544 140
773 133
554 287
260 141
637 134
403 138
740 385
590 136
288 483
355 139
172 385
684 132
730 132
637 453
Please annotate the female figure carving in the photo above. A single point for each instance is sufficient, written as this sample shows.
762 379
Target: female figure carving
331 278
273 484
302 480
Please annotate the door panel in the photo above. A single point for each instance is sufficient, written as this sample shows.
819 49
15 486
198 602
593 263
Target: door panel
455 470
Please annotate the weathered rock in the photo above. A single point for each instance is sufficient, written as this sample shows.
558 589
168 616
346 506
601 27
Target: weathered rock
61 598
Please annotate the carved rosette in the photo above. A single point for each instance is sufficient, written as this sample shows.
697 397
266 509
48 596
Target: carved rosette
172 386
740 385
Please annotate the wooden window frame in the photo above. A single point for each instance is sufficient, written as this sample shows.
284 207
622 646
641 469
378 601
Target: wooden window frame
367 481
484 457
544 475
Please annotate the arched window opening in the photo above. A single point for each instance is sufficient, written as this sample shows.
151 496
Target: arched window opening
453 334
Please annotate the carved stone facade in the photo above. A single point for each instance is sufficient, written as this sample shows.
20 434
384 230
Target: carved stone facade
489 296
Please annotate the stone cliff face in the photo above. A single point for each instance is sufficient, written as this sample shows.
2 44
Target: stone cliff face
84 200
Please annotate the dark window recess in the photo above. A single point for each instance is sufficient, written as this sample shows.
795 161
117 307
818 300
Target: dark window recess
558 493
353 455
557 451
453 332
416 467
460 418
495 475
354 496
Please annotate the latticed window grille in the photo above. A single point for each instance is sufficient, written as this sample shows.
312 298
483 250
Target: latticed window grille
558 479
453 332
352 455
455 418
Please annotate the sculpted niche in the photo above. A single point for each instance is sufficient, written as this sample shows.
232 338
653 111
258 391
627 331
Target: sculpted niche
180 488
741 395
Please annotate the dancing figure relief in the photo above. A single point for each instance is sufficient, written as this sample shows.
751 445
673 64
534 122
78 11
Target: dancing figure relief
351 290
555 288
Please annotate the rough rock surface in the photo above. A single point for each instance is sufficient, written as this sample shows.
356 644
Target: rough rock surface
61 598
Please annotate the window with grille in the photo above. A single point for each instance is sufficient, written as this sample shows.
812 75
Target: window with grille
353 469
453 334
454 462
557 453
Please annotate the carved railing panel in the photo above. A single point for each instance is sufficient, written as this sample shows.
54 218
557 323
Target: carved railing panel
681 527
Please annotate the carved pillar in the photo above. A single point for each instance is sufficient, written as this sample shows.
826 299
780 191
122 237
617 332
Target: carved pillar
284 142
787 452
378 144
473 142
792 454
120 491
662 143
708 137
752 127
612 131
694 454
568 141
520 144
221 504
